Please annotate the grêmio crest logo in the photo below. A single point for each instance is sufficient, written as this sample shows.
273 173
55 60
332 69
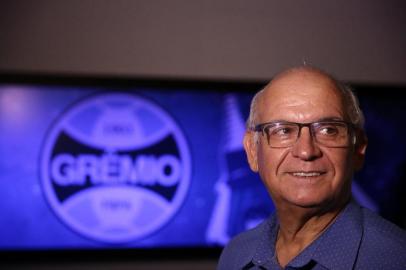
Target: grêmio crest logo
115 167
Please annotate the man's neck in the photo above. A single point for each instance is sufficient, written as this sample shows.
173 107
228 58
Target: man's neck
299 227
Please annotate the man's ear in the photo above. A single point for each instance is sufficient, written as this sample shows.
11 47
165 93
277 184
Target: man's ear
360 149
251 148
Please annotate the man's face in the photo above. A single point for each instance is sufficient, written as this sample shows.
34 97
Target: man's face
306 174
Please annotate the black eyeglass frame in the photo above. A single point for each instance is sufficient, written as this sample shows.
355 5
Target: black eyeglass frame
351 128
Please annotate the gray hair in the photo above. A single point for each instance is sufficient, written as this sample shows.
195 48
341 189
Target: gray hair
350 100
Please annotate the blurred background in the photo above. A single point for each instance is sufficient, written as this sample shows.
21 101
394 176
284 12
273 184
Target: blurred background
72 70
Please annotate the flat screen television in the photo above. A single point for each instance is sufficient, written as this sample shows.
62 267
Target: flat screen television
118 165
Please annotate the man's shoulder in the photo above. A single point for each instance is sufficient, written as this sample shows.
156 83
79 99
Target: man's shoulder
242 247
248 238
383 243
381 230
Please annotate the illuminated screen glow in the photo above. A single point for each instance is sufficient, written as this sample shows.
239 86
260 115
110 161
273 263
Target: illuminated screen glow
92 167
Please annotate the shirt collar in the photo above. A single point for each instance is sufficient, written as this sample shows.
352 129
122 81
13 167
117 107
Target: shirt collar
336 248
265 251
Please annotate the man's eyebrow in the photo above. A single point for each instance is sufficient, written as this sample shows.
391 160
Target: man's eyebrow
323 119
330 118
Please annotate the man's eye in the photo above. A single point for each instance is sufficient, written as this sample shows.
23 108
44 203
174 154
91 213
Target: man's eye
282 131
328 130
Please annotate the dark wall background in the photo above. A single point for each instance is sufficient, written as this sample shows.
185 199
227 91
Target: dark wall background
360 41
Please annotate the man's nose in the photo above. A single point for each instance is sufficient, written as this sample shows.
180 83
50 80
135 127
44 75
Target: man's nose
305 147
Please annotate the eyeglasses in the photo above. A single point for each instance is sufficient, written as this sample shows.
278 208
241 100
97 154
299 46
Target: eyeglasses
327 133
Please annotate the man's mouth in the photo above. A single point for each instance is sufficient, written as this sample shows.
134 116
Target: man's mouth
306 174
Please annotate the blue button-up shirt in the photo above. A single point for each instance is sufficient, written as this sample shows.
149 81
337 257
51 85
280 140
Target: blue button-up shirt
358 239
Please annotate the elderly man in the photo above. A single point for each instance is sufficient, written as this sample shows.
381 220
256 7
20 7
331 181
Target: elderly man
305 138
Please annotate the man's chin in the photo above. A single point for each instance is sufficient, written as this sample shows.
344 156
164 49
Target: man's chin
323 205
310 203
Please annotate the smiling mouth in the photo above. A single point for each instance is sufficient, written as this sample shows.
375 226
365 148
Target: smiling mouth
306 174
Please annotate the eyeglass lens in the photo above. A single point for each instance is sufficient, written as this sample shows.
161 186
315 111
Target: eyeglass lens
333 134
